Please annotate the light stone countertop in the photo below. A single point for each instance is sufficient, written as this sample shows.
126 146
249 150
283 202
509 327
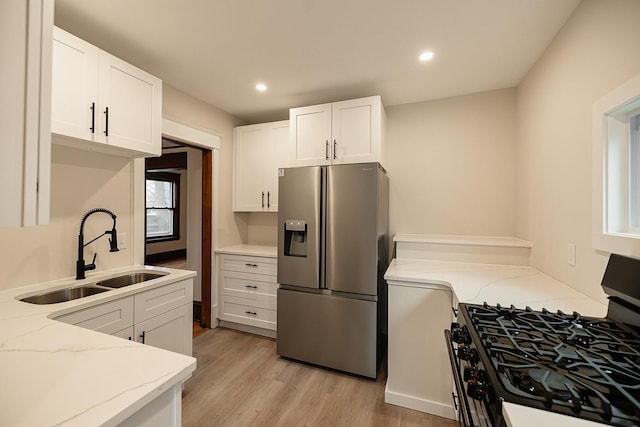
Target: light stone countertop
504 284
53 374
250 250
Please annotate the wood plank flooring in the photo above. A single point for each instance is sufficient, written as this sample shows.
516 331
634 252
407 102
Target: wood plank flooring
241 381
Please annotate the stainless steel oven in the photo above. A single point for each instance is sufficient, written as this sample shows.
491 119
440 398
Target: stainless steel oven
566 363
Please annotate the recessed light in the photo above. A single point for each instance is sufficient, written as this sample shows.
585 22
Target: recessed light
261 87
425 56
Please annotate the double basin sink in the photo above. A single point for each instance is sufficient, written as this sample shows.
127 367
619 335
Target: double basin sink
75 292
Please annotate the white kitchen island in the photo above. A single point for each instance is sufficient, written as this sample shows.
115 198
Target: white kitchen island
55 374
422 293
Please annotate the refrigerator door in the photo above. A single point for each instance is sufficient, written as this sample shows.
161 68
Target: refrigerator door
327 330
299 226
352 228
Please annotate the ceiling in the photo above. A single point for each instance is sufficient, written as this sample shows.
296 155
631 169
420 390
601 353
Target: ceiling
314 51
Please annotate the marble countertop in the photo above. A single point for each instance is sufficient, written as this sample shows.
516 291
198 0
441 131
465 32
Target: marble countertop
55 374
251 250
505 284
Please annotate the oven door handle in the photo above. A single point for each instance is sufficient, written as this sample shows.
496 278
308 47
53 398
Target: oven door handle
465 410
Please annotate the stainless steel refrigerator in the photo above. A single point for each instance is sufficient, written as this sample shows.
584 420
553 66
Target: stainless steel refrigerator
333 250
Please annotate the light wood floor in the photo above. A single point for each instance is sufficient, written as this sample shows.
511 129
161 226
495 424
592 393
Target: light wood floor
241 381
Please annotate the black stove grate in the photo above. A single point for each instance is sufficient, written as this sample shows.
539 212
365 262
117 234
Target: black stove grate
580 366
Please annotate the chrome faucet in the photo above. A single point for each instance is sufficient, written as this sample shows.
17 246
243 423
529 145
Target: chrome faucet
113 241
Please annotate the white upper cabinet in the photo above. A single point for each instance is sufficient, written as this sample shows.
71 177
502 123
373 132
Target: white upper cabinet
25 115
102 99
259 150
341 132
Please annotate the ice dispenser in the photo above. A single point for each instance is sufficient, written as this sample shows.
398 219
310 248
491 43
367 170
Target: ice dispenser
295 238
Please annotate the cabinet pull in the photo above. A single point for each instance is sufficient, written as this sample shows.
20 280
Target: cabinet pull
326 150
142 335
251 286
455 311
454 398
251 265
263 199
268 199
252 313
106 121
93 117
334 149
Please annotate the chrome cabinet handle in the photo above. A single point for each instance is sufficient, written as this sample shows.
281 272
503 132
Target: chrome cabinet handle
251 286
252 313
326 150
334 149
251 265
263 199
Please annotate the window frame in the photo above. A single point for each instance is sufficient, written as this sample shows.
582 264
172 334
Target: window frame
174 178
612 231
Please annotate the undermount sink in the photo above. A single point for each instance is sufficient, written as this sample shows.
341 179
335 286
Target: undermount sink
62 295
129 279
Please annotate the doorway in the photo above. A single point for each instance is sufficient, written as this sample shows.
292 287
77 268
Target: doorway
178 200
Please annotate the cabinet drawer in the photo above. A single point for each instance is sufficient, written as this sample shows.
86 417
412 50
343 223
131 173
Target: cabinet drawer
248 264
259 287
248 312
151 303
109 318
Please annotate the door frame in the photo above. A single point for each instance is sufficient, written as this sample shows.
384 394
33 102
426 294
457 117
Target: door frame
209 143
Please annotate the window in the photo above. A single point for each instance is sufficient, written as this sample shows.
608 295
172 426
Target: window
162 202
616 170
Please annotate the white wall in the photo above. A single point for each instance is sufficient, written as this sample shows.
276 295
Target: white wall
596 51
451 165
80 180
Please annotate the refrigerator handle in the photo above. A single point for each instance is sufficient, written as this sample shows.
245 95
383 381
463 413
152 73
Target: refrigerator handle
326 149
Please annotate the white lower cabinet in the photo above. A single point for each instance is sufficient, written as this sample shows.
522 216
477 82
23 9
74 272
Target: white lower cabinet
161 317
171 330
247 288
126 333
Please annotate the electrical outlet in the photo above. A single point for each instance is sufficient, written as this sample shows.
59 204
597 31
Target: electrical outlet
571 254
122 240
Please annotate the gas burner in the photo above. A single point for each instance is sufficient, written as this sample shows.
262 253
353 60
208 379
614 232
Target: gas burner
567 363
549 384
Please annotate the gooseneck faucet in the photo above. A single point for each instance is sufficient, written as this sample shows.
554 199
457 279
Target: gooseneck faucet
113 241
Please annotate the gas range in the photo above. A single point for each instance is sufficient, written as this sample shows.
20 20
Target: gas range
566 363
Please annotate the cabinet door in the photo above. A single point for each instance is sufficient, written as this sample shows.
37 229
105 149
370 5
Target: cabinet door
74 99
126 333
310 135
356 130
250 164
130 106
25 115
277 157
171 330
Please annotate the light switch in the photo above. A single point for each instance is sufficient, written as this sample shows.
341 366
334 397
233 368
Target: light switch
571 254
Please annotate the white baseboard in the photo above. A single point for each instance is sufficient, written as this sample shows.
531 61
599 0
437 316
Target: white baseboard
419 404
